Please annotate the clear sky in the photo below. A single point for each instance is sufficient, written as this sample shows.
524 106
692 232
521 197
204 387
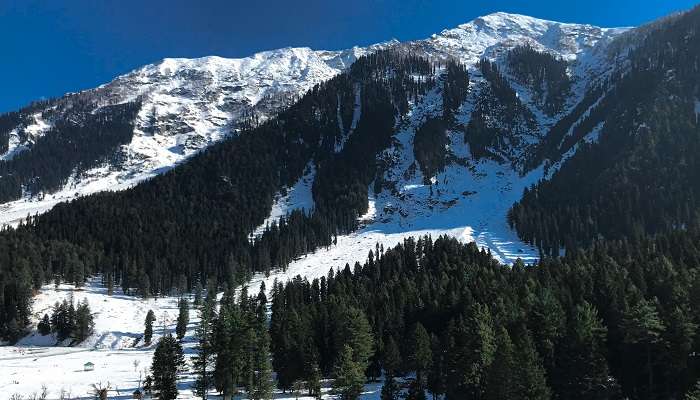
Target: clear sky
52 47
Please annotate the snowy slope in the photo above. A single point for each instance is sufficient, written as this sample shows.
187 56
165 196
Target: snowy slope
187 105
119 321
469 200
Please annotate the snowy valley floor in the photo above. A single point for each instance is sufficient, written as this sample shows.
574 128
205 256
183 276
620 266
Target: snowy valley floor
119 322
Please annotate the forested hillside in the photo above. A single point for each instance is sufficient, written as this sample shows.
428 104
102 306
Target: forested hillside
611 317
193 223
611 322
641 175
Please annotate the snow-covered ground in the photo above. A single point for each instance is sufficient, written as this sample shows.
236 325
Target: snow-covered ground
116 349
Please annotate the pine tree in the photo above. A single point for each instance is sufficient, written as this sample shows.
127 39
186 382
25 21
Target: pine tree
262 382
391 357
420 352
358 335
44 325
110 284
470 353
582 370
501 376
167 359
228 347
198 289
314 381
202 363
148 331
643 327
348 375
530 381
183 318
84 321
436 376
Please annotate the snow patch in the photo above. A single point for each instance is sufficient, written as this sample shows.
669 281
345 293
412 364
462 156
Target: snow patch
298 197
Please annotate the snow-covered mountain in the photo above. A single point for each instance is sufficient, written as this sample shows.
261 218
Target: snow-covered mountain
186 105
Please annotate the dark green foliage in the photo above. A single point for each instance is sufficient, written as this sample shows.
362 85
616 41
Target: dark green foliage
693 394
579 327
391 357
44 326
167 359
497 102
241 347
642 175
544 74
429 147
84 322
582 354
203 362
148 331
79 141
420 353
348 377
455 89
183 318
67 321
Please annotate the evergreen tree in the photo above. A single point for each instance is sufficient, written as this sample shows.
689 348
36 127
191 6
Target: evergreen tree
167 359
44 325
420 352
391 357
203 361
644 328
501 383
582 370
358 335
84 321
530 380
228 367
183 318
348 375
148 331
198 289
314 381
262 383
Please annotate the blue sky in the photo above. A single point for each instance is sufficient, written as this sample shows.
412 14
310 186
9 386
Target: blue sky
53 47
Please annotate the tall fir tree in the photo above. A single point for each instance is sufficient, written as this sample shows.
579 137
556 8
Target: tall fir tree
348 375
203 361
148 329
167 360
183 318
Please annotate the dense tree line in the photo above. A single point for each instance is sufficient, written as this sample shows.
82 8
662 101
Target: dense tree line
455 88
430 139
193 223
610 322
497 102
73 144
429 147
544 74
69 321
642 174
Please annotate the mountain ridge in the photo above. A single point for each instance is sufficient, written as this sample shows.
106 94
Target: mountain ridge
191 103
